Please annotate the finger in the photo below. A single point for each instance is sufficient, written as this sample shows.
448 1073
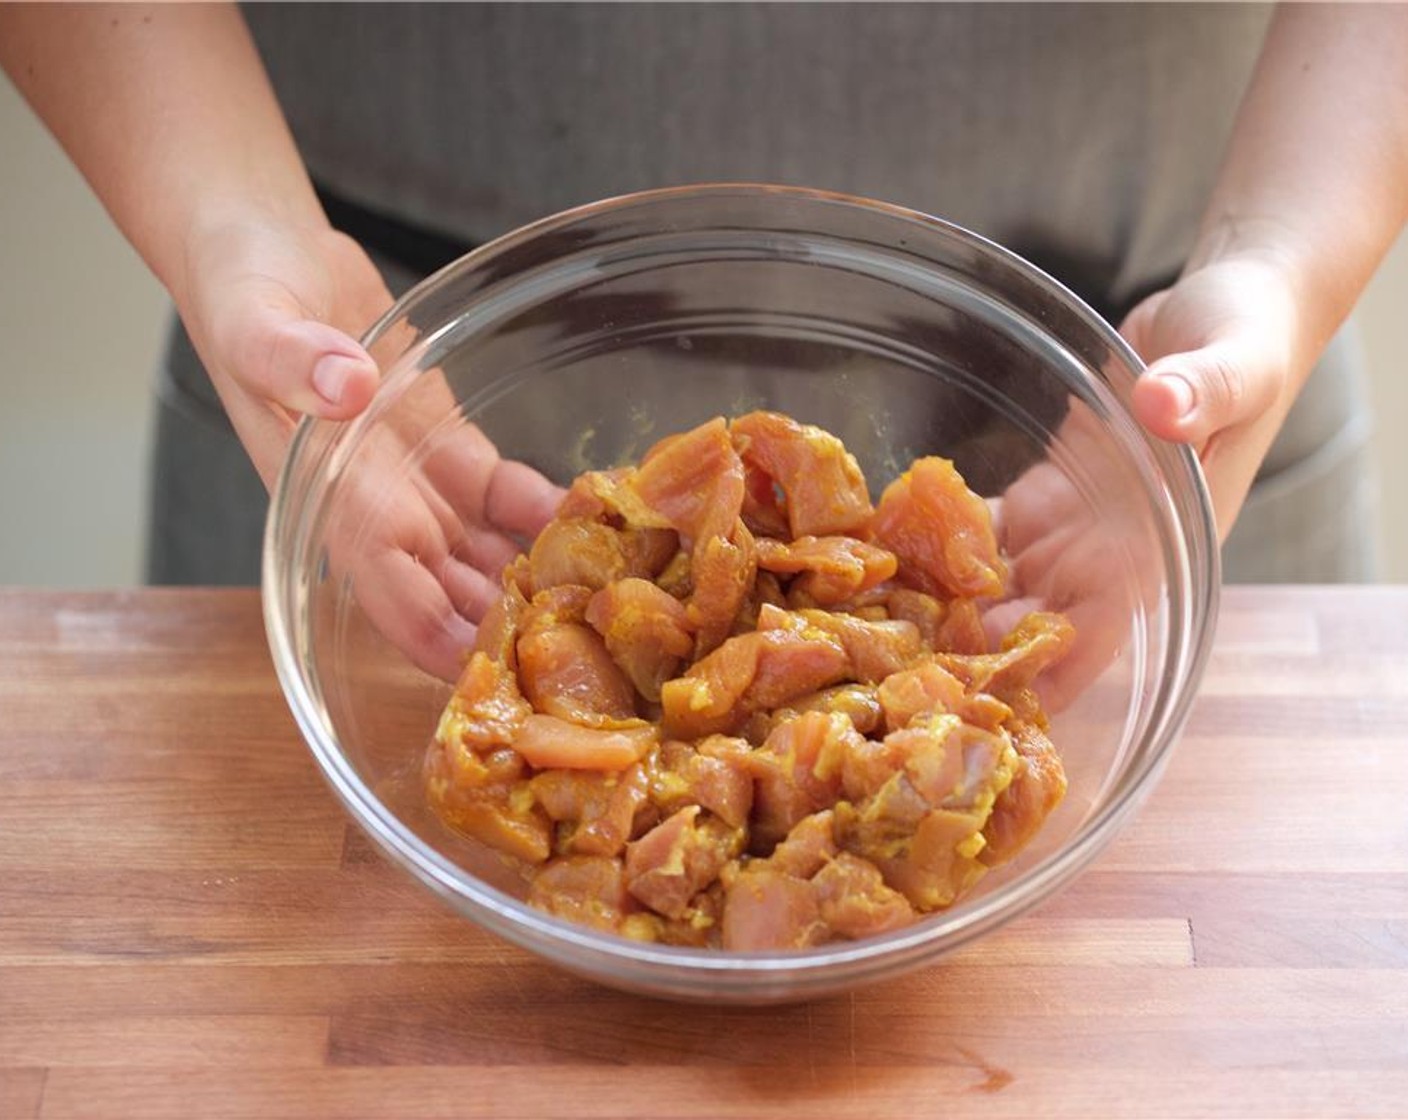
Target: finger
486 551
470 590
1188 397
413 610
266 340
1039 502
447 531
999 619
1101 626
1230 466
459 460
465 469
520 500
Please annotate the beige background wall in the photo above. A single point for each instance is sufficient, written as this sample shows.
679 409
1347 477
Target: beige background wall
80 329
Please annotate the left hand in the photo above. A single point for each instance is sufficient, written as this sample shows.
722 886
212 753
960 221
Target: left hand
1224 354
1226 361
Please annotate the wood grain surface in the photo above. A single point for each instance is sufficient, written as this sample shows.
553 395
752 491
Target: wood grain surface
190 926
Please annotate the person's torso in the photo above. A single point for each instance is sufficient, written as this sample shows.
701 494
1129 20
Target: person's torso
1084 136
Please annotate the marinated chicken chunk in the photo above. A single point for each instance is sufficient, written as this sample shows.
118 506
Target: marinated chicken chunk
829 570
940 531
724 702
645 629
819 483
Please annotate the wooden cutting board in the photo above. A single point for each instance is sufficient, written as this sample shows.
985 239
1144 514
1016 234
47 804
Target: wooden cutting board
190 927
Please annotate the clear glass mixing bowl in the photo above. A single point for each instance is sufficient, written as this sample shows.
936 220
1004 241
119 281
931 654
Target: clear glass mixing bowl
576 342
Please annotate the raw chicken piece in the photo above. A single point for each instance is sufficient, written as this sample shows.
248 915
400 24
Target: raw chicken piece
875 650
797 772
1032 646
924 611
645 631
553 606
713 775
696 928
941 531
883 823
694 482
585 500
483 794
721 572
498 630
719 779
586 890
805 850
494 817
948 763
608 496
854 901
580 552
486 710
858 702
922 690
1038 785
962 629
939 862
567 672
591 554
823 488
598 808
828 570
983 710
923 827
930 750
770 910
677 858
989 763
518 573
761 670
547 741
474 778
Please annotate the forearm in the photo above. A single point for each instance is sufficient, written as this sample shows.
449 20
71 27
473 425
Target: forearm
166 111
1316 175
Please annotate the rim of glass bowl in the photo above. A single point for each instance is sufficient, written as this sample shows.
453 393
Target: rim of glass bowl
1192 604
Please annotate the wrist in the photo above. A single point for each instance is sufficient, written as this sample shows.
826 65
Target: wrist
221 227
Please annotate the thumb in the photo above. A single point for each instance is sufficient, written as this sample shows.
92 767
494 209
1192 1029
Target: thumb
1189 397
266 340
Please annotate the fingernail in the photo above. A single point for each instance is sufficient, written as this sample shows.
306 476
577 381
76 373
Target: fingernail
330 376
1181 390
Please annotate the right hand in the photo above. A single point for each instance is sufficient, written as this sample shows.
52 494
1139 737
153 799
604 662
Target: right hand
274 309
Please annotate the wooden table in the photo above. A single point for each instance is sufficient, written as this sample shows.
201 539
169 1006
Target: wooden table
190 927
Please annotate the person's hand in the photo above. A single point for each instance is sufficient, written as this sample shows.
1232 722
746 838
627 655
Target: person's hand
1092 556
274 309
1225 360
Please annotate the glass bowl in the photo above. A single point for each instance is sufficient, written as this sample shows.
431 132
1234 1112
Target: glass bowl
578 341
